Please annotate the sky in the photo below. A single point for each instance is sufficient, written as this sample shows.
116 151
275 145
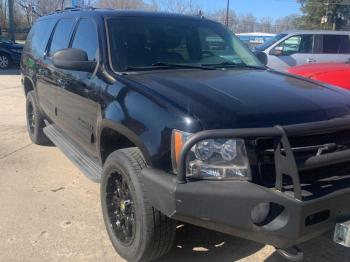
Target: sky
259 8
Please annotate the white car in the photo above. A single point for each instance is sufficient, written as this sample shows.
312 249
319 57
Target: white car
300 47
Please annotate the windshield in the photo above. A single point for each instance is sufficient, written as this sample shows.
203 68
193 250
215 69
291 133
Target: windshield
270 42
160 42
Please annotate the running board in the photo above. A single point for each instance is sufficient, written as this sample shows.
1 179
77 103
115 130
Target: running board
87 165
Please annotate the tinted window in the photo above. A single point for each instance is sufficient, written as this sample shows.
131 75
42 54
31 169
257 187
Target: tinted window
144 42
297 44
38 37
61 35
86 38
336 44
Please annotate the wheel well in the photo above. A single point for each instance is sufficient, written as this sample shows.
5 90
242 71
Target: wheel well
112 140
28 86
4 53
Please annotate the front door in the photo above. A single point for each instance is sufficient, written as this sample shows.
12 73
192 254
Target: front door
294 51
79 92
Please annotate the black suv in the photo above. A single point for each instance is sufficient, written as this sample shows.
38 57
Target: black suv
179 121
10 53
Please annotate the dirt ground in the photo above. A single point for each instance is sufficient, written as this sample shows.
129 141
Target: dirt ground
50 212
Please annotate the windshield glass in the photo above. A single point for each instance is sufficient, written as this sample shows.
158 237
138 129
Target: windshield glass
270 42
154 42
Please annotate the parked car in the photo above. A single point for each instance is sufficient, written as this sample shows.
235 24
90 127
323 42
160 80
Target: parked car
10 52
254 39
332 73
178 120
293 48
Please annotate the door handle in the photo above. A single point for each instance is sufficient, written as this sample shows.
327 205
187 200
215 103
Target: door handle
311 60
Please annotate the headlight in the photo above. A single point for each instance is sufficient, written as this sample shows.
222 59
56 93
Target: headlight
212 158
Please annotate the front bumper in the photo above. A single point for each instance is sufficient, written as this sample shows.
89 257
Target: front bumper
227 206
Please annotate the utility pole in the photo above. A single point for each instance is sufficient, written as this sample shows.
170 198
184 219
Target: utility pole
227 12
11 22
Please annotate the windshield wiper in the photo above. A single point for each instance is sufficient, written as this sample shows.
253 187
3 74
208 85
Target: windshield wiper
237 65
165 65
176 65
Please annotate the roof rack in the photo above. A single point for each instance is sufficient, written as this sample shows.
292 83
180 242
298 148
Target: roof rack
71 9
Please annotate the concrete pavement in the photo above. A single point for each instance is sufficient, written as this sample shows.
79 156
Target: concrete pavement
50 212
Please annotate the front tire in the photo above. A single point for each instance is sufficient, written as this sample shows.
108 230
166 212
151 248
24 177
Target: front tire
138 232
35 121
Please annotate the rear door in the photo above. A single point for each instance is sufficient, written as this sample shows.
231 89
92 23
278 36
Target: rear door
295 50
79 92
333 48
34 66
48 75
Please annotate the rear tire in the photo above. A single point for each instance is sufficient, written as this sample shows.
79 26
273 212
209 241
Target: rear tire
138 232
35 121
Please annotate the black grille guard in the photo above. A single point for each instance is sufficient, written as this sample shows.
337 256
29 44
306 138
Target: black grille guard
285 162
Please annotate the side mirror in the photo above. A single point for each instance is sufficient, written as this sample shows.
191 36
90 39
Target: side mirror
262 57
277 51
73 59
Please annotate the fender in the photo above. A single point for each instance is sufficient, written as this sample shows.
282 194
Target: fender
2 50
150 128
26 77
106 123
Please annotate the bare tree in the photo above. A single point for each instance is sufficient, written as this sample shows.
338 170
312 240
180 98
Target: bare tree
3 13
265 25
220 16
179 6
247 23
32 9
287 23
122 4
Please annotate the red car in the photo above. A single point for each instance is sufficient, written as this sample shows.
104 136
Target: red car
332 73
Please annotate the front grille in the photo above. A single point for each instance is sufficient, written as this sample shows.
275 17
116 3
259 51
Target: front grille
315 182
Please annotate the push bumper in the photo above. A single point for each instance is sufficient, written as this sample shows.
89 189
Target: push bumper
231 206
227 206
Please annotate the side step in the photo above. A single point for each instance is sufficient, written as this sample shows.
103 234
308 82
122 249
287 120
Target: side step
87 165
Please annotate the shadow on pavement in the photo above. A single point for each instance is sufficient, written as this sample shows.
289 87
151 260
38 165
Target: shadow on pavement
198 244
322 249
195 244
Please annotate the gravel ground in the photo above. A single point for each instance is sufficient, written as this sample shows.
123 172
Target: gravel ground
50 212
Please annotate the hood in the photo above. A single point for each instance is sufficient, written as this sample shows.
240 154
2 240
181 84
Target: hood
246 98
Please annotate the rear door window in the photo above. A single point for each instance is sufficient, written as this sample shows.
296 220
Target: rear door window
61 36
38 37
336 44
86 38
